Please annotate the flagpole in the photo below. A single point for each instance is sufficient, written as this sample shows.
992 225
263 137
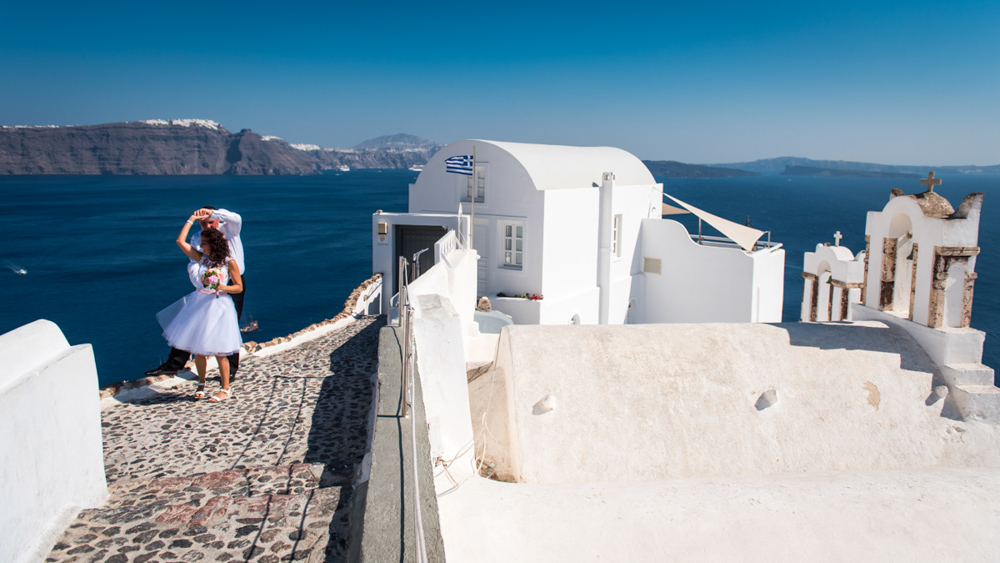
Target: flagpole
475 192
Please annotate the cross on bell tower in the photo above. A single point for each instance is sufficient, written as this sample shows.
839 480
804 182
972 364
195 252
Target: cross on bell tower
931 181
837 236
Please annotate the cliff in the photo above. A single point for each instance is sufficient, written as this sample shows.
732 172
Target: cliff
187 146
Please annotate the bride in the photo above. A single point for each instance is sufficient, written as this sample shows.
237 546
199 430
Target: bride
204 321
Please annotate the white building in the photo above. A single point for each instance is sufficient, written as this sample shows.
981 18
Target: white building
832 278
580 227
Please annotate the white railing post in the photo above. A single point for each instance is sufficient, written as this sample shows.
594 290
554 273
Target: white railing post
445 246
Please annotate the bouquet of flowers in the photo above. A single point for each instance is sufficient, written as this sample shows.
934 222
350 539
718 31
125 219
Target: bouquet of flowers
211 279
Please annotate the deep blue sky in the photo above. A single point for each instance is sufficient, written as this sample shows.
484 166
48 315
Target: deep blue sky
906 82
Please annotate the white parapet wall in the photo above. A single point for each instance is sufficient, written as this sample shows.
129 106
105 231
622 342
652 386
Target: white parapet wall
685 282
51 453
560 403
443 301
369 299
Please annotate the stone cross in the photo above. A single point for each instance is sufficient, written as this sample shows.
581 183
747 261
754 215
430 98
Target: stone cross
837 236
931 181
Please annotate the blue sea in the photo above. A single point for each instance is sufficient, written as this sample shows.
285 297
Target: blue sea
101 260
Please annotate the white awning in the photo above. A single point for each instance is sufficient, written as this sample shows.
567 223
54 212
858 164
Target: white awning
744 236
671 210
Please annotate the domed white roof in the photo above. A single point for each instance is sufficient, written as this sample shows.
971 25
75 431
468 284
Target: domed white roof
555 167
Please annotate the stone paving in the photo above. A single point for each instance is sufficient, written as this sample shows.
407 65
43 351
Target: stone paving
266 476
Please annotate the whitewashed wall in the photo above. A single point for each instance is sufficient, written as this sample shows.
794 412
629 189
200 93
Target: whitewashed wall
51 453
704 283
768 283
443 309
492 413
581 306
570 244
521 311
635 204
571 251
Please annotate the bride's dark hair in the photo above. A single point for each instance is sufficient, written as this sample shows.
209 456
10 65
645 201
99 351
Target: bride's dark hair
218 249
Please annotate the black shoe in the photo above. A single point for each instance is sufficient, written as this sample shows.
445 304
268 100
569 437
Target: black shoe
161 370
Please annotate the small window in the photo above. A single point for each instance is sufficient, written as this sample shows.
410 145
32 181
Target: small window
616 237
476 183
512 239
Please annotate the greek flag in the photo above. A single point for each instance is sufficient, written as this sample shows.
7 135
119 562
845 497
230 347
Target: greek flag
459 164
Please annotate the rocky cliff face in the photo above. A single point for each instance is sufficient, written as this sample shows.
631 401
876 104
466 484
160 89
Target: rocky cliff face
181 147
114 148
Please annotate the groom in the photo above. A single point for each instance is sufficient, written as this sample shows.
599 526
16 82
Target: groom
229 224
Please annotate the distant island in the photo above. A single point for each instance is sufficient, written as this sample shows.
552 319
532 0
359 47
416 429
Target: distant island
842 173
189 146
778 165
674 169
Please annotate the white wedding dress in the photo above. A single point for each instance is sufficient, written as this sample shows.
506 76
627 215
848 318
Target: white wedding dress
202 322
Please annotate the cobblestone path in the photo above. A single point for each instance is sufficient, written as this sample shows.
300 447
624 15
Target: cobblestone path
266 476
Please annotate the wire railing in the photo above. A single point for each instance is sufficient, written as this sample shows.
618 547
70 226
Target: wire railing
403 305
711 240
407 389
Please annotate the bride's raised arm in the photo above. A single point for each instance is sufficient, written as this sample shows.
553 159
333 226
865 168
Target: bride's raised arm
182 242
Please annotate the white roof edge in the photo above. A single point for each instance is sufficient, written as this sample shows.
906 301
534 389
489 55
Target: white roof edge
566 167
